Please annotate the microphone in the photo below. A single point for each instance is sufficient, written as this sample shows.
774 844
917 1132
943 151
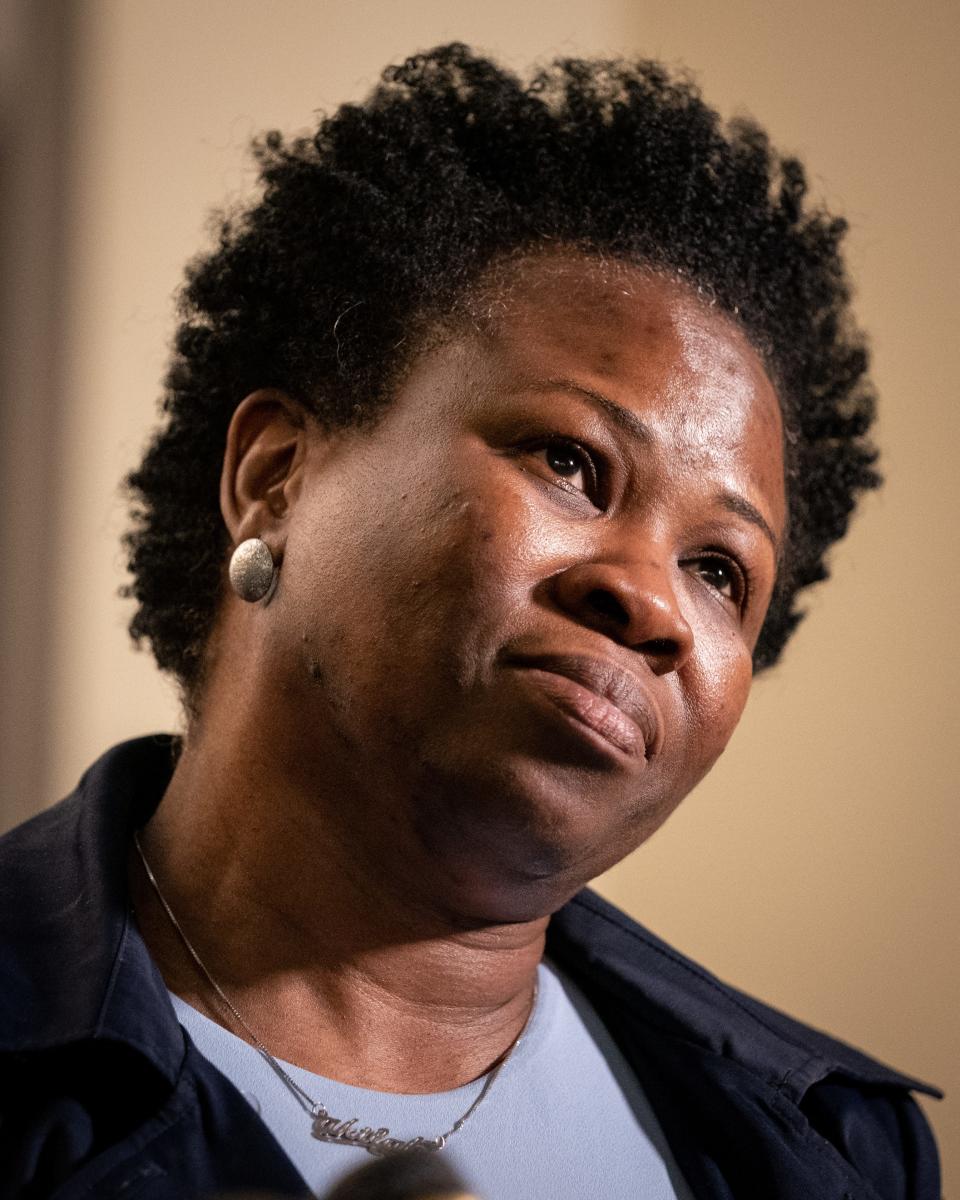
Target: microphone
413 1175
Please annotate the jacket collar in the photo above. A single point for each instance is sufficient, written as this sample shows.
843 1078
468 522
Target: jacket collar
73 965
623 965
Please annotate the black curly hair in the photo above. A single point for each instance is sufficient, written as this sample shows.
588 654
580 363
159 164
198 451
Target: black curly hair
374 230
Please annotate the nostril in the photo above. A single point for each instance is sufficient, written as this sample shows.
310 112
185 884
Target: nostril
607 605
604 604
628 606
661 647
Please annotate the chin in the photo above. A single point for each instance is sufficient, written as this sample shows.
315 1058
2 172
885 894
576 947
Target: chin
546 836
481 898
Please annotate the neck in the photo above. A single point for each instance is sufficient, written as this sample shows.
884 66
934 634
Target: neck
336 964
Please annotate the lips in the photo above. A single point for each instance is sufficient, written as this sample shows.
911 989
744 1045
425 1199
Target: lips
601 695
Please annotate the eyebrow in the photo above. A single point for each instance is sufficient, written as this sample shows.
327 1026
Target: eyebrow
733 502
621 416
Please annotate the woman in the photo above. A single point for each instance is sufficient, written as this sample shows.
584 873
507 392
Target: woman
501 435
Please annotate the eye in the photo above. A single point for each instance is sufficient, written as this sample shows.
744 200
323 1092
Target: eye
573 467
722 574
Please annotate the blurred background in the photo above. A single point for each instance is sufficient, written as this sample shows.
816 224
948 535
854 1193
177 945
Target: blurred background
817 867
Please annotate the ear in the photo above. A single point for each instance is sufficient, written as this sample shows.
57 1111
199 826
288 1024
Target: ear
262 467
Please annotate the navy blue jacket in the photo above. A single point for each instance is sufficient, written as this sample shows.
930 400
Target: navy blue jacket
102 1095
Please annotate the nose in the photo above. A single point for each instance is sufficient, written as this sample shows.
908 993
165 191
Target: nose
633 603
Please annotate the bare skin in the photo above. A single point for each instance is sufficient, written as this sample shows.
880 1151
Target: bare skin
398 775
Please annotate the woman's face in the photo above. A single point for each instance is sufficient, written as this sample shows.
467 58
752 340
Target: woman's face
515 620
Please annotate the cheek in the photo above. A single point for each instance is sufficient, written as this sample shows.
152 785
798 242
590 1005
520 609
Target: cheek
481 554
717 684
417 585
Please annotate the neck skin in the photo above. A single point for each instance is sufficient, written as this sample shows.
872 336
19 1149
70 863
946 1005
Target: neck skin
327 961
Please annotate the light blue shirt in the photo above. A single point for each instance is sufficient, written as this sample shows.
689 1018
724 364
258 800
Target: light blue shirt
565 1119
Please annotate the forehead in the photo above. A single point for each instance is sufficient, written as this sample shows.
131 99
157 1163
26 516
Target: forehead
653 345
618 321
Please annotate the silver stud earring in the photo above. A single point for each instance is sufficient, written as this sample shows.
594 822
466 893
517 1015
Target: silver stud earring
253 573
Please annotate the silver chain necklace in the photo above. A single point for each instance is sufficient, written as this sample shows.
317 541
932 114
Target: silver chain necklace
327 1128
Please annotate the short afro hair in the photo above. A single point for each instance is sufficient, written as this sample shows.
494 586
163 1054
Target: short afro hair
372 231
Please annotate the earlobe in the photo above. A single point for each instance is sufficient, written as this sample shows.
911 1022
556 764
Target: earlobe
261 468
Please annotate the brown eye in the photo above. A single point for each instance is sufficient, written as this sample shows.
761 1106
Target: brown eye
723 575
565 460
571 463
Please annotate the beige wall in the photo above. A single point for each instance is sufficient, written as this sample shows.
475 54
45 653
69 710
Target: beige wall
817 866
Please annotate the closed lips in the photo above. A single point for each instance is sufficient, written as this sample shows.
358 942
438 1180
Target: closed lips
607 680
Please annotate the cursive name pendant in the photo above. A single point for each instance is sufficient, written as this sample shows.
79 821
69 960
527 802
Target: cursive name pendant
375 1141
379 1141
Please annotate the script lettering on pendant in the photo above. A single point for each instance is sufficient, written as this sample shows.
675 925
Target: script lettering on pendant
376 1141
